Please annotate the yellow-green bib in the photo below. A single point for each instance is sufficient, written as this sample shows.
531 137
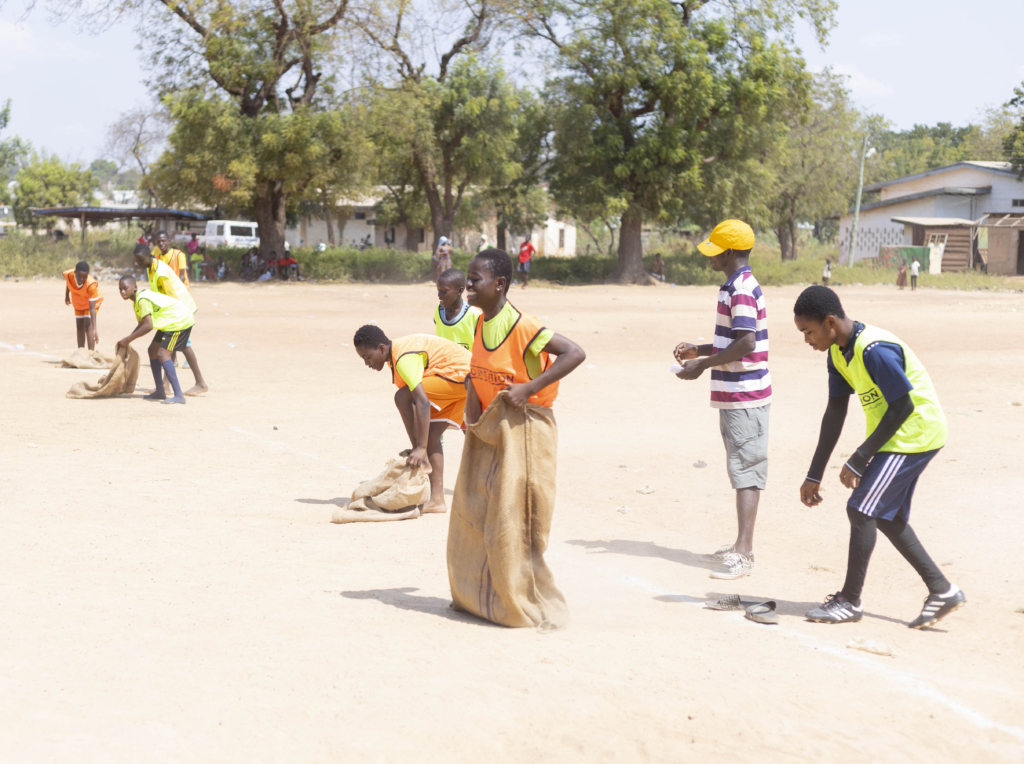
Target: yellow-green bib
925 429
461 333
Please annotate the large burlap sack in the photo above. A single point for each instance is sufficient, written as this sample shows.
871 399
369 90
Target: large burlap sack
120 380
394 494
501 517
87 359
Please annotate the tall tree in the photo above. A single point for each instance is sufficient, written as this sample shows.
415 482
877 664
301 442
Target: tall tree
266 58
13 153
133 140
657 92
816 166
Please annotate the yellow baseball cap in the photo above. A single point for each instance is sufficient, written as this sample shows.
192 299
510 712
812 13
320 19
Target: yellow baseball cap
729 234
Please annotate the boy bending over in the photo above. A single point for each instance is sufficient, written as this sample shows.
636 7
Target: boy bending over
172 321
430 374
905 430
83 293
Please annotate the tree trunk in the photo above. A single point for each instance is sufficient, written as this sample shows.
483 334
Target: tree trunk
792 235
631 251
782 231
271 200
330 224
500 243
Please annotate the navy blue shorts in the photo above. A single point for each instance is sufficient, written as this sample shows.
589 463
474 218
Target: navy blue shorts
888 484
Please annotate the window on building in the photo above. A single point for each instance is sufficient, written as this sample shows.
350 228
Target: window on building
360 216
1018 203
561 238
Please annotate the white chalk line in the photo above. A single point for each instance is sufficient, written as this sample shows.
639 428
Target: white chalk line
14 349
904 681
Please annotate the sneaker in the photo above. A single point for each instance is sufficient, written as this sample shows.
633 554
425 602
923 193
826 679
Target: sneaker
734 565
937 607
720 555
836 609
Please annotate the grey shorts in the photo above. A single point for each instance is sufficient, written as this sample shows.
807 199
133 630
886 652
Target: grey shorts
745 434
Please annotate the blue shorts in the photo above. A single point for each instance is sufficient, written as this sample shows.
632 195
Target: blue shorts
888 484
524 267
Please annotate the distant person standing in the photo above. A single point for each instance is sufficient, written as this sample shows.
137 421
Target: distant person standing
175 258
82 292
915 268
901 277
827 273
526 253
442 257
658 267
193 244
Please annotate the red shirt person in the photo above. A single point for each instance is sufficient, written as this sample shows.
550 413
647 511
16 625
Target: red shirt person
526 253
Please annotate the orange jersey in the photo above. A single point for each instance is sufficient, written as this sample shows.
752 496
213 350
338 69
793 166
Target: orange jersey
175 258
443 358
494 369
80 295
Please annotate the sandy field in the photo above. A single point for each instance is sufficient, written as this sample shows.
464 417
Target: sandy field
172 588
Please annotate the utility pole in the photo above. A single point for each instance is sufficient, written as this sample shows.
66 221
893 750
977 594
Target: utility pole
856 206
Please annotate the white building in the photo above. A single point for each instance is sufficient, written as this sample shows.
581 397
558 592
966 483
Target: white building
975 209
356 220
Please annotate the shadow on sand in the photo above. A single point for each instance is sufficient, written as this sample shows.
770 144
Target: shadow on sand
403 599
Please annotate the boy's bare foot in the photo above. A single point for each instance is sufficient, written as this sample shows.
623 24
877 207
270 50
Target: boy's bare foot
434 507
197 390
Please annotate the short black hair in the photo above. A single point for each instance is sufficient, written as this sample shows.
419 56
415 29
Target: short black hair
498 263
127 279
82 267
742 252
818 303
142 249
369 336
160 233
453 276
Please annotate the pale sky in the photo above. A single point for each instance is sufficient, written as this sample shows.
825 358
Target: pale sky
913 61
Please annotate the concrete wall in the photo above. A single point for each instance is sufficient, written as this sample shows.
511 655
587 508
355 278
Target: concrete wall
876 229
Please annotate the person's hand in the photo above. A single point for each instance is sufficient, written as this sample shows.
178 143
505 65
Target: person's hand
67 299
94 336
416 456
809 493
849 478
691 370
517 395
122 343
685 351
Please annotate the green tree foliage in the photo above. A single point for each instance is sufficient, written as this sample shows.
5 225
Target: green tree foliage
1013 143
47 181
668 106
457 131
815 169
13 152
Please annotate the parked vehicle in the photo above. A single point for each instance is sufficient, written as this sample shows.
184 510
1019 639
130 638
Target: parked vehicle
230 233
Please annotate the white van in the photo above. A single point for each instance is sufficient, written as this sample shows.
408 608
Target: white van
231 233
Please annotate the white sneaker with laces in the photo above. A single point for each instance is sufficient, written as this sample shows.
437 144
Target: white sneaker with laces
734 566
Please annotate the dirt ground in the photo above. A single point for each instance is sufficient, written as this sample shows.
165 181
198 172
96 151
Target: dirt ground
172 588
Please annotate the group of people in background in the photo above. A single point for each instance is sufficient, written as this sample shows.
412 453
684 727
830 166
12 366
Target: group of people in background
442 258
255 268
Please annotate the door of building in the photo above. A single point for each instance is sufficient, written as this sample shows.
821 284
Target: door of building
1020 253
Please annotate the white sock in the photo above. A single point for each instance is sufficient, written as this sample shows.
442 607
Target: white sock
953 589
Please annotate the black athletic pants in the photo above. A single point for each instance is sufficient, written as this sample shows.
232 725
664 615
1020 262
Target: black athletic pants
863 532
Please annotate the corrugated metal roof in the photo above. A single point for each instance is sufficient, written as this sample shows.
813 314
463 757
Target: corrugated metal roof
1003 168
949 190
112 213
933 222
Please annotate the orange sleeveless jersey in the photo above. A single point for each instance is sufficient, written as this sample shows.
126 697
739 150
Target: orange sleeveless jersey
80 295
494 369
445 359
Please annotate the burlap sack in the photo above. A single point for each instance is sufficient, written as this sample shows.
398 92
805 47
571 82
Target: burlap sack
87 359
501 517
393 495
120 380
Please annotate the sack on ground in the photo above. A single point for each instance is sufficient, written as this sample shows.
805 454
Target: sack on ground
391 495
87 359
120 380
501 518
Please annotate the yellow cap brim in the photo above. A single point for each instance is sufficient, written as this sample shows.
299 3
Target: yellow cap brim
709 249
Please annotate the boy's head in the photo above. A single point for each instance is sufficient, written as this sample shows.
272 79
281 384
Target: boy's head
162 241
818 314
450 286
126 286
142 255
489 278
372 345
731 241
81 272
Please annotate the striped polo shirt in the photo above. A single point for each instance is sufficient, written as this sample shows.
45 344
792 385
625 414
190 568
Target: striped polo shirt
746 383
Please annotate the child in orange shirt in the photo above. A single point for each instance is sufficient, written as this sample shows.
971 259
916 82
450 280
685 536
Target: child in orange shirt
82 292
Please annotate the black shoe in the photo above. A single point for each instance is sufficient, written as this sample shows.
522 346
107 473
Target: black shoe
937 607
836 609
